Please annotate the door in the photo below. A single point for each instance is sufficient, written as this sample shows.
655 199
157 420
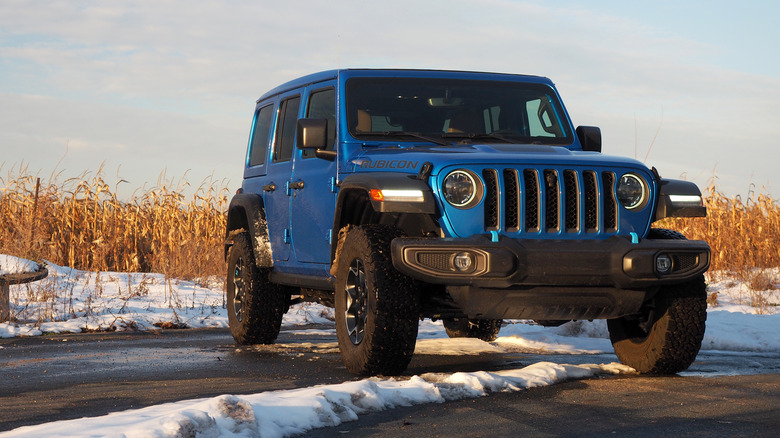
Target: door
276 194
313 203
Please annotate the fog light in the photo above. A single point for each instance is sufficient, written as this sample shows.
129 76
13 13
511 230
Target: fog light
663 264
463 261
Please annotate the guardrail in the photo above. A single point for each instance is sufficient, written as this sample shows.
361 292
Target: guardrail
7 280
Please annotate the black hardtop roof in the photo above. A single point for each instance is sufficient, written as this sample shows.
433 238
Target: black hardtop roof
385 72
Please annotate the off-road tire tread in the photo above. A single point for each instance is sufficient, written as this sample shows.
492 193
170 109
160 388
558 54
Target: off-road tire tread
391 330
676 336
264 307
663 233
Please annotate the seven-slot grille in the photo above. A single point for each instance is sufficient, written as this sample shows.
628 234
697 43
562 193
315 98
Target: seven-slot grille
550 201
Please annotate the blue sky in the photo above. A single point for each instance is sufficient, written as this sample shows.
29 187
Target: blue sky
169 86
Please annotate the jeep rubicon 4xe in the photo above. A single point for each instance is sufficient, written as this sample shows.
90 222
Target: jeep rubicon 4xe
396 195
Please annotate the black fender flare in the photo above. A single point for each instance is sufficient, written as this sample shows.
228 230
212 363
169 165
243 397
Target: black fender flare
247 212
389 180
668 207
363 183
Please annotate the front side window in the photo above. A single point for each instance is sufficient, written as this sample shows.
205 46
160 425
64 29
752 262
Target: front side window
453 110
288 121
259 142
322 105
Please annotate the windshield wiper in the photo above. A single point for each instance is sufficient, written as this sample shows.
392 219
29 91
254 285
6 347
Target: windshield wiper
473 136
404 134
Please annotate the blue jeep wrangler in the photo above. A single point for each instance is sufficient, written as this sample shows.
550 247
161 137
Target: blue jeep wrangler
396 195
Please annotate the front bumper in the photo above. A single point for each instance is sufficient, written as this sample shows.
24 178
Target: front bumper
615 262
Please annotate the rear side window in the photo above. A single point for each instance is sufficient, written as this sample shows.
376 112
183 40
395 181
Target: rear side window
262 128
322 105
286 135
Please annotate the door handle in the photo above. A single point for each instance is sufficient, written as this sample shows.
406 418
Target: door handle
297 185
269 187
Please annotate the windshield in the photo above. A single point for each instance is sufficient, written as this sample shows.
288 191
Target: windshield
448 111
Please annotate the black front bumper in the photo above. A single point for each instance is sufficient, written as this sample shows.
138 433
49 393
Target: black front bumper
615 262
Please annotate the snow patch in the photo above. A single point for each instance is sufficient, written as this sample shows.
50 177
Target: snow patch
294 412
15 265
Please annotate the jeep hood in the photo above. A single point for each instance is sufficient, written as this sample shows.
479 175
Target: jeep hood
409 159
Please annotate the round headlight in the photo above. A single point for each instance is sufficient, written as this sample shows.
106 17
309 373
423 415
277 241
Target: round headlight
462 189
632 191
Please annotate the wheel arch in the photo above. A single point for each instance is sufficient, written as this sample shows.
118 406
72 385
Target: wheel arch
246 212
354 205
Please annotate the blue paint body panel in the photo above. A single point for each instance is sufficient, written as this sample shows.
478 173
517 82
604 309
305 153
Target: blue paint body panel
302 222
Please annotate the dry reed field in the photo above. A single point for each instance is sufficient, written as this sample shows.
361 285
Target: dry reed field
743 234
81 223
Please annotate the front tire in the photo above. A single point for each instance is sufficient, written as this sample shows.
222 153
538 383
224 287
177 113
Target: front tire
255 305
667 336
377 308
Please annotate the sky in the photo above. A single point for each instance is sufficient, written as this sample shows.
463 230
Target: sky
79 299
152 89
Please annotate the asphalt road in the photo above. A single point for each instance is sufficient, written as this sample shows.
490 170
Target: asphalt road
61 377
727 406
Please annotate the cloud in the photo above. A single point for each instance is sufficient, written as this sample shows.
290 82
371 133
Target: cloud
141 142
183 76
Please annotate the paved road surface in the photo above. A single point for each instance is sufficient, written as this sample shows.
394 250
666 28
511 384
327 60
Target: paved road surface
727 406
60 377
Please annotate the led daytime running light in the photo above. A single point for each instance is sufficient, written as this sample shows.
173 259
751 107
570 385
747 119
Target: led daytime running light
397 195
686 200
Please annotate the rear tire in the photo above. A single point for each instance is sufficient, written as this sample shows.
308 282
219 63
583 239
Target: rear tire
377 308
667 336
255 305
484 329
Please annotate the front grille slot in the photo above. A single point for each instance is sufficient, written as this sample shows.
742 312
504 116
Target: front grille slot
610 202
512 197
491 199
572 199
531 179
551 195
554 201
591 201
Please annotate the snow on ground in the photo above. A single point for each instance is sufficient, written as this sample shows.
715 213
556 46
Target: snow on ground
73 301
293 412
15 265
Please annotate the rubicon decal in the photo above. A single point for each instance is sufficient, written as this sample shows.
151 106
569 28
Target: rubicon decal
388 164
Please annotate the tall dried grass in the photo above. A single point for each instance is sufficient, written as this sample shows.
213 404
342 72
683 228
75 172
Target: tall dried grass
745 241
742 234
82 223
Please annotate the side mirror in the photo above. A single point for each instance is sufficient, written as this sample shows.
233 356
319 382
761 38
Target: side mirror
312 134
590 138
